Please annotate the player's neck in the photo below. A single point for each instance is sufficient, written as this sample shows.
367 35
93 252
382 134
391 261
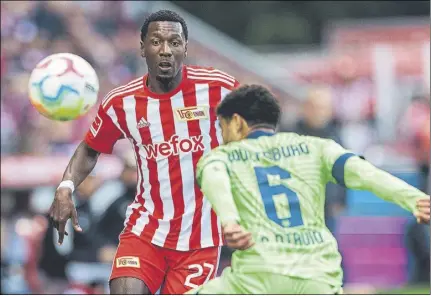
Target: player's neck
262 128
161 87
256 131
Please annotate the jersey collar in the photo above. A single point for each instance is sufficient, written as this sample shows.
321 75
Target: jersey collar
257 134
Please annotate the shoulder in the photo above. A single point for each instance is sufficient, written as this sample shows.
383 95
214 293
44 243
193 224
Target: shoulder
118 93
217 154
321 144
199 74
295 138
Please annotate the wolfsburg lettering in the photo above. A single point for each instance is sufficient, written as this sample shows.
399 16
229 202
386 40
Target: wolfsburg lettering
273 154
303 238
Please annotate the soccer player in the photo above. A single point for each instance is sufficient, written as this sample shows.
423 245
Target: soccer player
171 236
268 190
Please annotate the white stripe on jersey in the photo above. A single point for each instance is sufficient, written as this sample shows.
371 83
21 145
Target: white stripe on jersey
215 75
186 164
156 130
224 93
122 87
202 99
212 78
129 107
121 91
194 71
111 113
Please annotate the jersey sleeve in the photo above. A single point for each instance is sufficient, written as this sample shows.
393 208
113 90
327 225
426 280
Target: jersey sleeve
362 175
214 156
214 180
103 133
334 157
351 171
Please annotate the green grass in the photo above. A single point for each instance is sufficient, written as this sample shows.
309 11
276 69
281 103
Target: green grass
409 290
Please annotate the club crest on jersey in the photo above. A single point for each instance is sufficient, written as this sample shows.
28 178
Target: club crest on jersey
128 261
192 113
143 123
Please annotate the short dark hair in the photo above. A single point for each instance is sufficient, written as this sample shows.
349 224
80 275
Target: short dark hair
164 16
255 103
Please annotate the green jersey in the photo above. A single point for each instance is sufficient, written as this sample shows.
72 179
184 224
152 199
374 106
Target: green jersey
278 186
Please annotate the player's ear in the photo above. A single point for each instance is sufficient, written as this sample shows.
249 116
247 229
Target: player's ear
185 51
142 49
237 121
235 118
242 125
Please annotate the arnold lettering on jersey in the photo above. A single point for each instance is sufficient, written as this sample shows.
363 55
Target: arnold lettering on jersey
174 146
275 153
298 238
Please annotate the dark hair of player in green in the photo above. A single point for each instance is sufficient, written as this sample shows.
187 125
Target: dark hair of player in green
255 103
164 16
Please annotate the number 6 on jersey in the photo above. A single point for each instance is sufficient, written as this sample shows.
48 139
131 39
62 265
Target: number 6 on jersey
281 204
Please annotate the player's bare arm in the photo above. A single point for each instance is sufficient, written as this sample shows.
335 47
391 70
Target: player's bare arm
80 166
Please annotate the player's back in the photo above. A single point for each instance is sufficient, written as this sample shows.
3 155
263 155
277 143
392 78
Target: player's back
278 183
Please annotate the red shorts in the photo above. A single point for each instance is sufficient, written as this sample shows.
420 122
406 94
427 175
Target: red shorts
175 272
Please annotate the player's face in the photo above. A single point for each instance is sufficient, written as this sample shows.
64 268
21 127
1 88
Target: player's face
233 129
164 49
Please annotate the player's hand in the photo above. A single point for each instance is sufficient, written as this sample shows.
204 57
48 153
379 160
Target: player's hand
237 237
61 210
422 213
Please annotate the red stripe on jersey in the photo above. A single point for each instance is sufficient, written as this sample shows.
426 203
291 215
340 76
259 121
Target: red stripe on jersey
215 98
121 115
175 177
194 128
153 224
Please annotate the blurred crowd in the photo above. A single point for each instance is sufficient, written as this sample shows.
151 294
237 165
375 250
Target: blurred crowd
32 30
31 261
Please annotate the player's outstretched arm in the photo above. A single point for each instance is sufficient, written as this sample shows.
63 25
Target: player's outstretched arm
80 166
360 174
347 169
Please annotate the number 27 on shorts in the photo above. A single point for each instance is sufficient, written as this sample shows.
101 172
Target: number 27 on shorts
198 270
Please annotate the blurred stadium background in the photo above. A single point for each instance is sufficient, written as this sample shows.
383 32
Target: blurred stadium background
357 72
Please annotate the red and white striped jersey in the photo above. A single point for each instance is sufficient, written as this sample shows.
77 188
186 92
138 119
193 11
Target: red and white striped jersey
169 133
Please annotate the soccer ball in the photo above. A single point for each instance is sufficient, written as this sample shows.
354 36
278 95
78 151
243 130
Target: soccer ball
63 87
